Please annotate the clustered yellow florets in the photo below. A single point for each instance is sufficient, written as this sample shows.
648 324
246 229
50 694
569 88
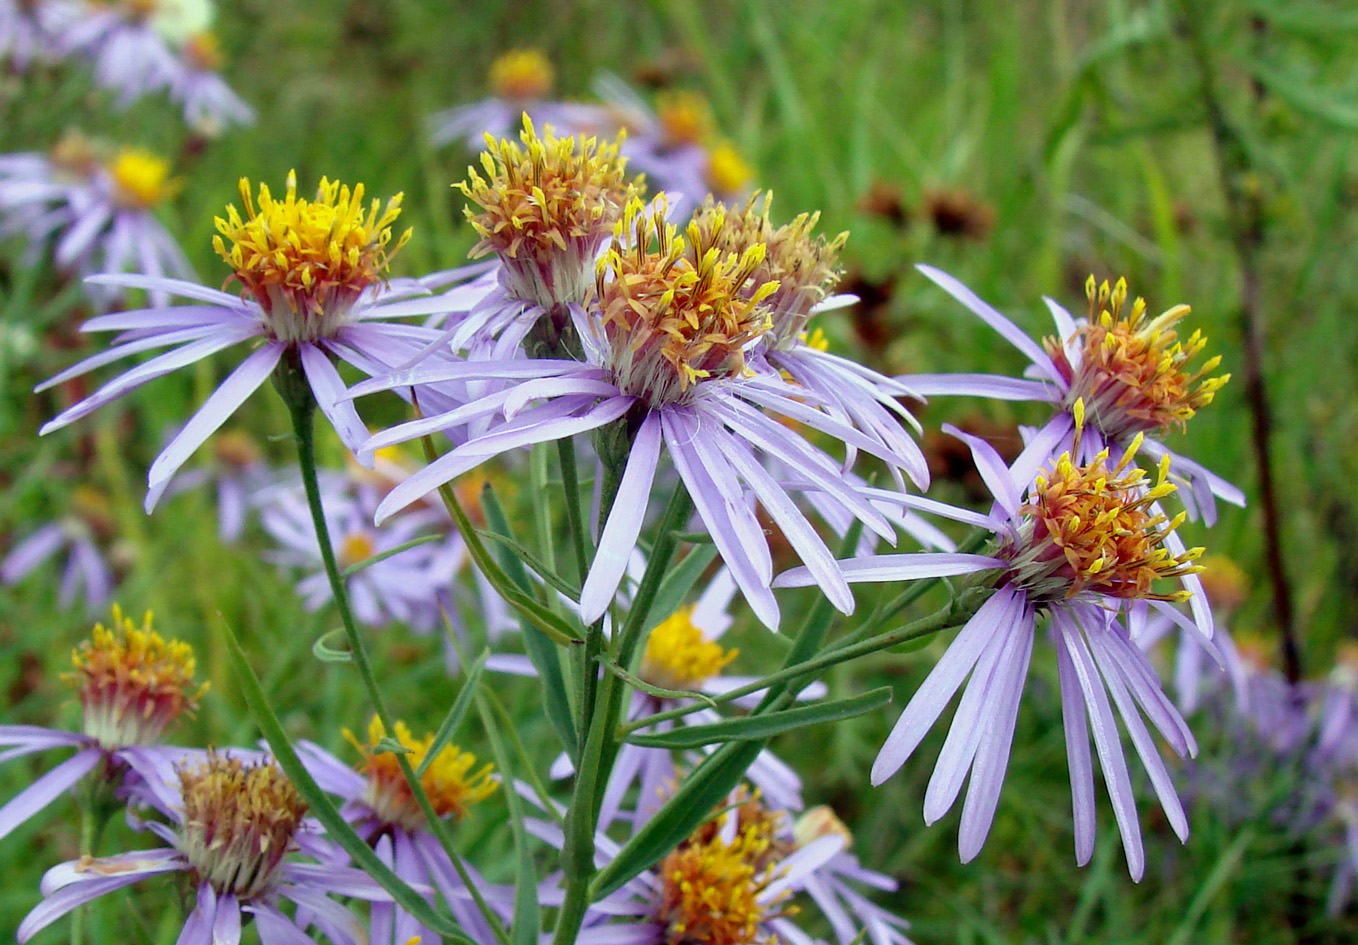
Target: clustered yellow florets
238 822
521 75
449 781
546 207
132 682
711 886
307 261
141 178
676 312
805 267
679 656
1091 529
1132 373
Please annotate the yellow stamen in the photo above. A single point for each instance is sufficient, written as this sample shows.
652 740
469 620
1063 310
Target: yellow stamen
141 178
521 75
727 170
679 656
1133 371
132 682
238 822
449 781
677 312
307 261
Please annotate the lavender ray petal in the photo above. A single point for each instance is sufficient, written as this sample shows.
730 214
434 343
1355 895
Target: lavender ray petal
1011 332
1042 449
31 552
66 899
180 287
903 567
46 788
998 479
122 349
995 386
1078 758
327 388
226 924
276 928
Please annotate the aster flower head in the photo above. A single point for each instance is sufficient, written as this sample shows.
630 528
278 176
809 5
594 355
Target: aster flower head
233 822
451 779
673 310
132 683
545 209
306 262
679 655
1089 550
520 81
1131 372
84 533
314 278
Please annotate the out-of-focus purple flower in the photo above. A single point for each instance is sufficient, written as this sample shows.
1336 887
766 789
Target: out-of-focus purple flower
32 30
382 809
132 686
1130 372
663 366
230 825
240 476
210 106
81 533
313 275
520 81
1085 551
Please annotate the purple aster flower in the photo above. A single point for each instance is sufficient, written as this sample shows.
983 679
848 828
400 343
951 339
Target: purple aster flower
1086 550
81 532
312 273
663 353
210 106
520 81
383 810
1131 373
126 43
31 30
132 686
100 207
231 825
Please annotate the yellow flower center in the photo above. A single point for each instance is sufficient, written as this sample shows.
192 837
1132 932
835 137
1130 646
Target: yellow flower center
710 887
521 75
235 448
817 822
132 682
141 179
546 208
1133 373
1092 529
1224 582
355 548
727 170
678 313
203 51
679 656
685 118
449 781
804 266
75 155
238 822
307 261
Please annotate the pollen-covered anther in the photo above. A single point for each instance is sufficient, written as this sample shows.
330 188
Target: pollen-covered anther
546 207
307 261
1097 531
676 311
521 75
452 782
711 887
1133 372
679 656
804 265
238 822
141 178
132 683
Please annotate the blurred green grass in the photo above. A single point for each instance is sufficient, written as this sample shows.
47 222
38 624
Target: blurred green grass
1075 124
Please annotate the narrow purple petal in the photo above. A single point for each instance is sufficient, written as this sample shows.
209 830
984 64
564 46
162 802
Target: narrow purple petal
937 690
31 552
239 384
140 863
327 387
619 537
180 287
226 925
1052 439
64 900
998 479
905 567
122 349
1011 332
1081 764
47 788
996 386
276 928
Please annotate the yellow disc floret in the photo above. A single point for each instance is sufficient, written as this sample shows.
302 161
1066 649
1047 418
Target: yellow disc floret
449 781
141 178
521 75
679 656
677 312
1094 530
685 119
1131 371
545 208
238 822
711 886
132 682
307 261
727 170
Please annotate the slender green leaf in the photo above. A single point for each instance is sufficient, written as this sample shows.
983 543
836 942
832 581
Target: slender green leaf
337 828
527 557
383 555
455 714
1305 97
636 682
326 653
766 725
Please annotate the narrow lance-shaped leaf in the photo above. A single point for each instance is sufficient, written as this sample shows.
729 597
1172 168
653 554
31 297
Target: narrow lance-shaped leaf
766 725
